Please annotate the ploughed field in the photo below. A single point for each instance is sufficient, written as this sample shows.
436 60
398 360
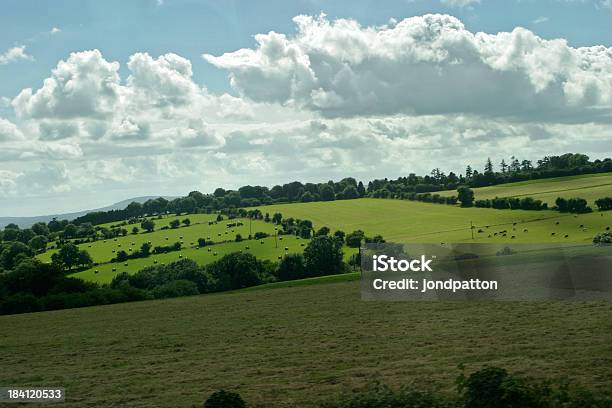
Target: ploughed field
293 346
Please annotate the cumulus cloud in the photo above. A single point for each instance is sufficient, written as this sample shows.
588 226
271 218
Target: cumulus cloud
420 66
9 131
333 100
83 85
15 54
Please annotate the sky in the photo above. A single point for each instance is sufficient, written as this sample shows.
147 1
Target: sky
103 101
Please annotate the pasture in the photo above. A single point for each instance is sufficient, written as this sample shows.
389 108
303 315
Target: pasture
293 346
395 220
588 186
411 221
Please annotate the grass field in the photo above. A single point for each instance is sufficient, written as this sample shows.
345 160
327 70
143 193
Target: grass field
590 187
395 220
293 346
410 221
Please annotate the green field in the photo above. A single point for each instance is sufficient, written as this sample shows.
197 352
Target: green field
395 220
590 187
290 344
410 221
291 347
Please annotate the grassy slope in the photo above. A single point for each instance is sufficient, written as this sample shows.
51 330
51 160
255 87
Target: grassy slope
408 221
396 220
293 346
590 187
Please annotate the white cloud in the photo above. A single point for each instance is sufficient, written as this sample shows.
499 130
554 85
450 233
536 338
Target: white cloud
15 54
459 3
422 65
541 20
83 85
55 30
9 131
334 100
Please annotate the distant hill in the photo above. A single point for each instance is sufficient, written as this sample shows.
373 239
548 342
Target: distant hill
25 222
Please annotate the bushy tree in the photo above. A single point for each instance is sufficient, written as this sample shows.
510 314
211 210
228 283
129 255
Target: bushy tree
234 271
354 239
148 225
291 267
67 256
323 256
322 231
466 196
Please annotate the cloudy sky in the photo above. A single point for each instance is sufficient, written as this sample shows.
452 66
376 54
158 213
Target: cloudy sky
103 101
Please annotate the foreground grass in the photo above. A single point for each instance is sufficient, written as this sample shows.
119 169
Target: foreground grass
292 346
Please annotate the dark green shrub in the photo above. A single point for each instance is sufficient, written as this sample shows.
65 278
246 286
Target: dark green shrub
224 399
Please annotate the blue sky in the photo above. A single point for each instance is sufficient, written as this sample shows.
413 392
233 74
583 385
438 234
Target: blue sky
101 101
190 28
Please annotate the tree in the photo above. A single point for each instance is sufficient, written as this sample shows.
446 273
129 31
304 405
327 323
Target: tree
14 253
354 239
361 189
323 256
350 192
135 230
174 223
291 267
145 249
70 231
503 166
307 197
322 231
186 222
468 172
327 193
38 243
84 259
339 235
466 196
67 256
234 271
488 166
148 225
277 218
40 228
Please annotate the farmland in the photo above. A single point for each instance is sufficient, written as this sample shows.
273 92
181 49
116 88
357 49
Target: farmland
261 341
395 220
590 187
294 346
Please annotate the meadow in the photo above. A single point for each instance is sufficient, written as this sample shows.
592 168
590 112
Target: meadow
395 220
295 343
589 186
294 346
